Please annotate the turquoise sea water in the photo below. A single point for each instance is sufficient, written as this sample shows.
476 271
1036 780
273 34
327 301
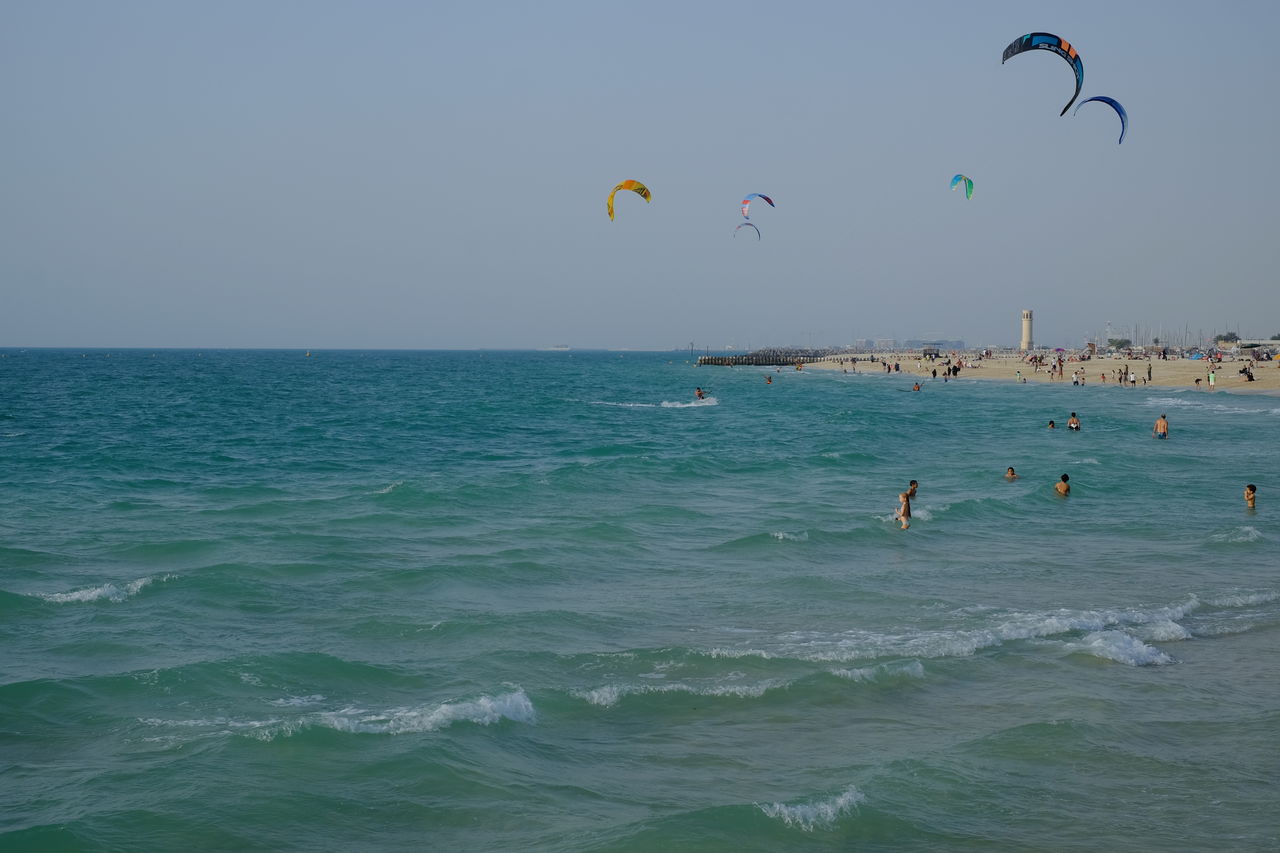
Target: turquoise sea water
505 601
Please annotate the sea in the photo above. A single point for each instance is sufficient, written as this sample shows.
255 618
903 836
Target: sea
390 600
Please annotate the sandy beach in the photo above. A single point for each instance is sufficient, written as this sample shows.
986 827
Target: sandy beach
1174 373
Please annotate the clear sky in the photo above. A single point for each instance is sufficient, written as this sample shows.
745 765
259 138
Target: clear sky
263 173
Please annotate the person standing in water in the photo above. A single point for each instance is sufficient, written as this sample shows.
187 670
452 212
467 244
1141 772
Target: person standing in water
1062 486
1161 427
1250 495
904 510
1073 423
1010 474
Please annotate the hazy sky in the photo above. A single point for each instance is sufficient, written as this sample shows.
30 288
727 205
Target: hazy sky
433 175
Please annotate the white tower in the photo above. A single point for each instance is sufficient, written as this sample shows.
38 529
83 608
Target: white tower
1026 344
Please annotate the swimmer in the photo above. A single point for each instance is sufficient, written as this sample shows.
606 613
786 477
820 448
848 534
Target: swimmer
1073 423
699 393
915 387
768 380
1161 428
1052 425
1010 474
911 488
1250 494
904 510
1062 487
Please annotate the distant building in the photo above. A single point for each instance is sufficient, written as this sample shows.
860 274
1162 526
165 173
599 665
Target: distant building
862 344
1027 343
886 343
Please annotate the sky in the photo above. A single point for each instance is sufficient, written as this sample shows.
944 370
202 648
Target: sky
432 175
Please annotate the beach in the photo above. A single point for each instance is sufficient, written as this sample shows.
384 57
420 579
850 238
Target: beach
1173 373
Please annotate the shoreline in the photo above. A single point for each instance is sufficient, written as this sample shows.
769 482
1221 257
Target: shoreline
1174 373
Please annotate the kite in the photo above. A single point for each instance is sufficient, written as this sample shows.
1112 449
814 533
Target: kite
746 203
968 185
1115 105
746 225
1048 41
635 186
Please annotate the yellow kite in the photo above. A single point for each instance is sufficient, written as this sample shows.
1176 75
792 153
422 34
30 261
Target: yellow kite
635 186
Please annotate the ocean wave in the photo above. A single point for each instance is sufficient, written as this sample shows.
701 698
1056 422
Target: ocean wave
1208 403
611 694
1243 599
925 513
390 488
1161 632
960 642
297 701
485 711
1171 402
623 405
1120 647
1244 533
820 814
784 536
705 401
884 671
107 591
918 513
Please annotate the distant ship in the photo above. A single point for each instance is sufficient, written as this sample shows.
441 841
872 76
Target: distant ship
556 348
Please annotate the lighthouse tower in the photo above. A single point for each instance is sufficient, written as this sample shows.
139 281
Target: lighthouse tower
1026 343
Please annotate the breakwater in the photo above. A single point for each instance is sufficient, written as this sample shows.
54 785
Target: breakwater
772 357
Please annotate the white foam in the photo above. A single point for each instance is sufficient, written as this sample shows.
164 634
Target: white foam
609 695
719 652
397 484
784 536
930 644
1088 460
484 711
816 815
107 591
1237 534
1121 648
1171 402
705 401
1244 599
925 513
1162 632
297 701
623 405
910 669
1208 403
